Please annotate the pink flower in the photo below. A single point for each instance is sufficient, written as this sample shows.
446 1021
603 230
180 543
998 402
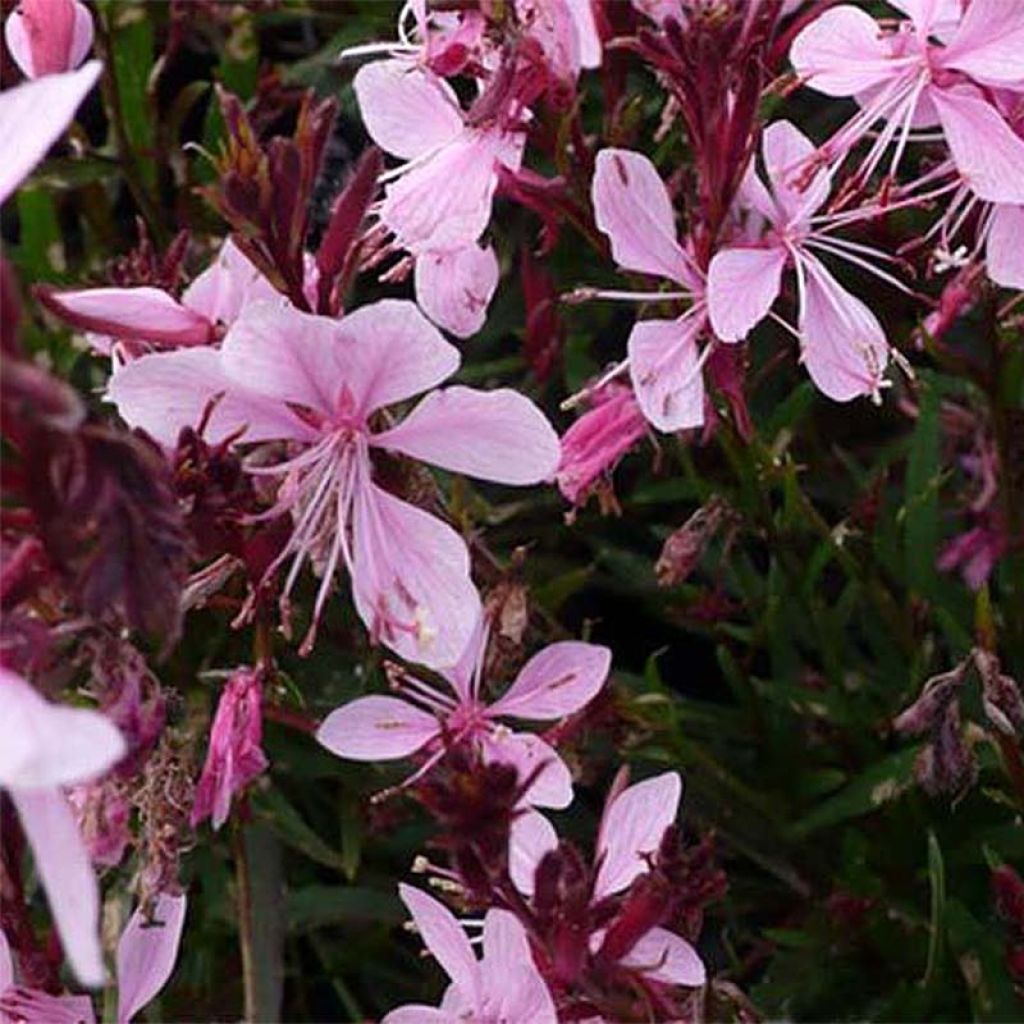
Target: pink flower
33 116
633 208
146 953
504 985
631 830
975 553
842 343
44 746
557 681
234 757
143 317
598 439
934 69
47 37
323 384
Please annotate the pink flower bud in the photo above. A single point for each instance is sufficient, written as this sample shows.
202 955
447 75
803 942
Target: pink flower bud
47 37
235 757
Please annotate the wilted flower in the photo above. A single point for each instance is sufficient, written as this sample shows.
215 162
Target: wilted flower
48 37
103 812
234 757
685 546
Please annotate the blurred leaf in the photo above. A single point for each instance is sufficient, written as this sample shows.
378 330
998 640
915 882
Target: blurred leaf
921 506
320 906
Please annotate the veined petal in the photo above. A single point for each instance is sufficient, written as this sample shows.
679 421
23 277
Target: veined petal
443 937
65 870
411 579
227 286
376 729
664 368
393 352
988 155
931 17
133 314
664 956
633 208
842 53
36 114
560 679
632 827
742 286
552 786
165 391
530 837
455 288
146 954
407 110
786 149
1004 250
43 744
989 44
515 991
493 435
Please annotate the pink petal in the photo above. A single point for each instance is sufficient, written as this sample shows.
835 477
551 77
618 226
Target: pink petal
6 963
844 347
146 954
632 828
417 1013
588 39
407 110
665 372
552 786
43 744
531 836
66 873
742 285
666 957
392 353
48 37
454 288
842 53
931 17
163 392
227 286
1004 252
411 579
443 937
988 155
556 681
33 1006
376 729
505 942
493 435
633 208
461 674
425 213
131 314
36 114
989 45
515 992
786 151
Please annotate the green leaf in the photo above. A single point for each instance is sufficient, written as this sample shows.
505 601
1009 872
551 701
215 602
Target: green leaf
921 507
937 881
273 807
319 906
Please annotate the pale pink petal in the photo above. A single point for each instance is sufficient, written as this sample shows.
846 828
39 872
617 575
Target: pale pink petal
742 286
1004 251
6 963
842 52
443 937
552 786
461 674
588 39
663 365
988 155
505 942
33 1006
786 152
65 870
227 286
633 208
407 110
530 837
931 17
36 114
392 353
632 829
989 45
417 1013
426 213
82 35
146 954
454 288
560 679
493 435
515 993
163 392
376 729
43 744
411 579
844 346
664 956
132 314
